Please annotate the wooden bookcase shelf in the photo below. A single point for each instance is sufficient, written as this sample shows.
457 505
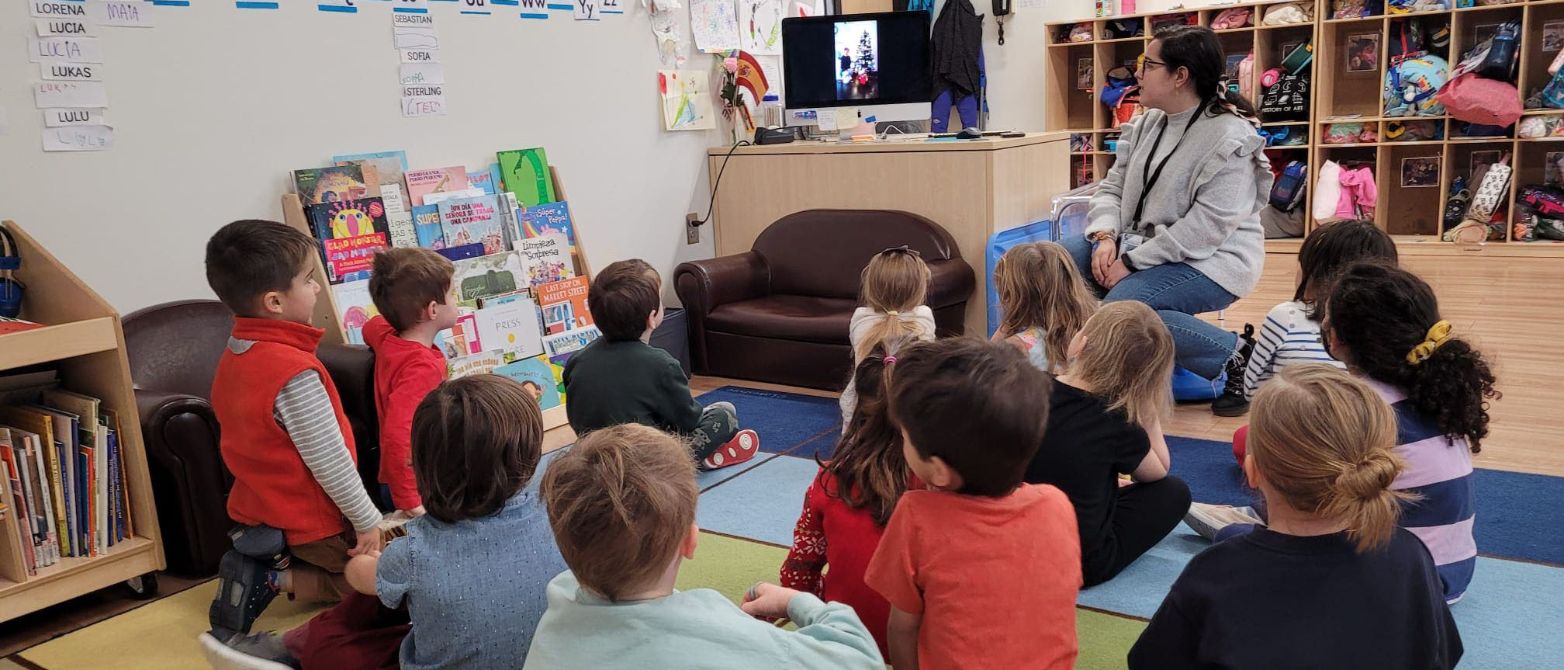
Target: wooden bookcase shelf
85 341
1413 215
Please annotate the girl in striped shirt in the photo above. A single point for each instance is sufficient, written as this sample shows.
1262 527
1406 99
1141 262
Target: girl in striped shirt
1384 323
1291 331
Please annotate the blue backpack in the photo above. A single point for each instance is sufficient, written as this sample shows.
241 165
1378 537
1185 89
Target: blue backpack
1288 190
1412 82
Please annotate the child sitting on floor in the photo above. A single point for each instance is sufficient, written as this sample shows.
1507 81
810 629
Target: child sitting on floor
850 501
1044 302
621 378
472 571
622 506
1105 419
895 284
1321 451
1291 331
285 438
412 290
983 571
1384 323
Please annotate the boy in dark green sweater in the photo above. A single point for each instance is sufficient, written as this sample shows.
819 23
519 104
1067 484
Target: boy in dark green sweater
621 378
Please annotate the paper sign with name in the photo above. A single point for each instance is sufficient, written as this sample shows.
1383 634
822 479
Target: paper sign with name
586 10
79 49
45 9
420 55
70 94
78 138
67 71
424 105
412 21
65 118
423 73
121 14
65 28
416 38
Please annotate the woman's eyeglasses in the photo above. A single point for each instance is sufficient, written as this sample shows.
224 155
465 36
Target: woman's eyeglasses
1143 63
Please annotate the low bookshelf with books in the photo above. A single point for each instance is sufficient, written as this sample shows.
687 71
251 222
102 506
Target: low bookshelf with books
521 273
78 507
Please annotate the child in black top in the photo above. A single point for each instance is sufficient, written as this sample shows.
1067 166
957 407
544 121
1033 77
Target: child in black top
1332 582
1104 420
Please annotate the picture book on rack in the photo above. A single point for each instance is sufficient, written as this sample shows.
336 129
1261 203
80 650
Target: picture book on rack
540 377
526 174
509 324
487 277
350 232
383 174
355 307
548 219
330 184
545 259
421 183
564 305
426 225
473 220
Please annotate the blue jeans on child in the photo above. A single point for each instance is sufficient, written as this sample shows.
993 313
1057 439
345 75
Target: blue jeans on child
1177 292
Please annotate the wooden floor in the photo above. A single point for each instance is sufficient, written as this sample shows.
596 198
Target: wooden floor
1511 308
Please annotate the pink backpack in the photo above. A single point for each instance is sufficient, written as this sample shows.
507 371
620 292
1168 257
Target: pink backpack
1475 99
1246 77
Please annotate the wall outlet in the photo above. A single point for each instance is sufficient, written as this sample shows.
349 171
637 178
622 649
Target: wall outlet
692 229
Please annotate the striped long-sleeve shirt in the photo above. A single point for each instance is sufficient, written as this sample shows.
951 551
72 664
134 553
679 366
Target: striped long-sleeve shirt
304 410
1288 337
1439 470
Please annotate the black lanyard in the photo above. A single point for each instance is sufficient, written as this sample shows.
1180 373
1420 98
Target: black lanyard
1148 178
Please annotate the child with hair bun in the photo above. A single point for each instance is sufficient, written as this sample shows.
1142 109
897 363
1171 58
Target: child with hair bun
1322 451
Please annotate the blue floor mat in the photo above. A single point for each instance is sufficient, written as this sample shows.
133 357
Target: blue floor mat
1514 510
761 503
783 420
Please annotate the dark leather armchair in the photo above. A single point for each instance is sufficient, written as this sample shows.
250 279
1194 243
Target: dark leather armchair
779 312
174 348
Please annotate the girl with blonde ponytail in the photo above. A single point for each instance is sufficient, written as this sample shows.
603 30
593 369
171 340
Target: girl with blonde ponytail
894 286
1321 452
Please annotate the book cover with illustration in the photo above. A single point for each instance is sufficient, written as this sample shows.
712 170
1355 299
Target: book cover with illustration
564 305
487 277
384 173
545 259
329 184
540 377
486 179
350 231
570 341
525 173
426 225
473 221
435 180
355 308
510 326
548 219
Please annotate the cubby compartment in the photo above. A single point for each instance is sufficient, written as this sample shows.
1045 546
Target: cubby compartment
1350 68
1153 23
1470 28
1072 101
1541 42
1348 157
1109 30
1286 49
1411 192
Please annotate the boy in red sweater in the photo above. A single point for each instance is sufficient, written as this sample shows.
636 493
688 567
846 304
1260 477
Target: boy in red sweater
412 290
284 436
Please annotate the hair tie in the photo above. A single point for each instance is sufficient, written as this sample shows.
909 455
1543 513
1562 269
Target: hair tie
1437 335
891 312
889 360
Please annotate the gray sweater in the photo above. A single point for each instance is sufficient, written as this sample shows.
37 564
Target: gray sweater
1212 189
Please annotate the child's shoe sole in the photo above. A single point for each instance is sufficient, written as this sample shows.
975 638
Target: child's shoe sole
243 592
740 449
223 657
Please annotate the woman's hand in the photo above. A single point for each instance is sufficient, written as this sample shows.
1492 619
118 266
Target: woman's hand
1115 274
1104 254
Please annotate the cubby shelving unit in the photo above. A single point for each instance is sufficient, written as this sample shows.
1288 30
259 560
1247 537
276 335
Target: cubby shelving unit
1340 93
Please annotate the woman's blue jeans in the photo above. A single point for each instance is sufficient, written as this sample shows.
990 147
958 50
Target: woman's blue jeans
1177 292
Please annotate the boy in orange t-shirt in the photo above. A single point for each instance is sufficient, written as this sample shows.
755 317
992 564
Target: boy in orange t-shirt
993 564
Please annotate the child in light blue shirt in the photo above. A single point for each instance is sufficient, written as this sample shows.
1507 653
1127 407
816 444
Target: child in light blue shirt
622 506
473 569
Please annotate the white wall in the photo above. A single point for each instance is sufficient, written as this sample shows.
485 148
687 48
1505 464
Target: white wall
215 105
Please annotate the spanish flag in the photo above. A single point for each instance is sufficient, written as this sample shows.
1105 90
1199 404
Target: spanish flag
751 77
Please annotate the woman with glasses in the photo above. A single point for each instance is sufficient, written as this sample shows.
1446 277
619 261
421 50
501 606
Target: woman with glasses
1176 222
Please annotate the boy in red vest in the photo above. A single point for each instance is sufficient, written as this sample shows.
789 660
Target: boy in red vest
284 436
412 290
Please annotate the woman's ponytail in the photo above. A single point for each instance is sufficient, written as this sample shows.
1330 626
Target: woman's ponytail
1197 49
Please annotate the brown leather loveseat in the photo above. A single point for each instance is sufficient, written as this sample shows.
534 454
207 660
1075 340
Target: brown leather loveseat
173 350
779 312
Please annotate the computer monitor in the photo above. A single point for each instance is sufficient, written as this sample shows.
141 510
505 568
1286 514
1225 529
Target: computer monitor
877 62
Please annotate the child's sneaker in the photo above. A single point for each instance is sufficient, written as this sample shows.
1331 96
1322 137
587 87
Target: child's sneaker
741 448
245 586
1232 401
261 651
1207 520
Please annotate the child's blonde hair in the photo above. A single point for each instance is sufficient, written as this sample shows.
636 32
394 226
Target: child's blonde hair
1325 441
1128 360
895 282
1040 287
